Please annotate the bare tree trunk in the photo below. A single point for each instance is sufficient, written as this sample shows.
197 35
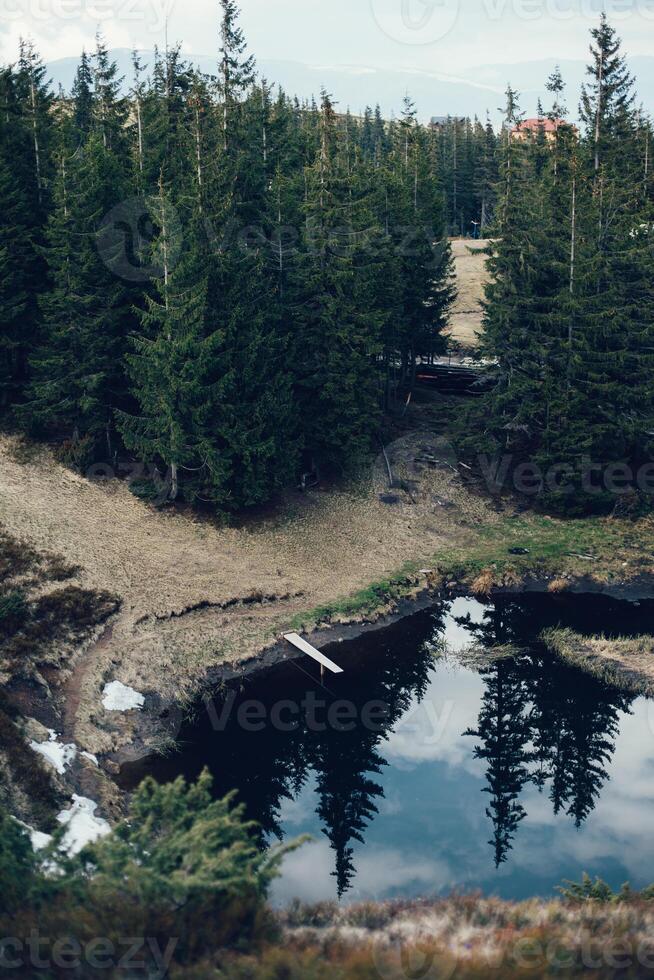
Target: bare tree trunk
280 246
139 129
264 135
573 259
174 475
573 236
35 134
646 152
198 155
63 185
455 170
323 163
225 98
174 481
598 116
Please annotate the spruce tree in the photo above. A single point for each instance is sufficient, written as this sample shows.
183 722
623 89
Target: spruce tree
236 70
82 95
35 100
109 108
174 369
78 375
15 249
341 325
607 100
20 265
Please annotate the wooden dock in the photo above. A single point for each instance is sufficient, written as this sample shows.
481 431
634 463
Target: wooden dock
296 640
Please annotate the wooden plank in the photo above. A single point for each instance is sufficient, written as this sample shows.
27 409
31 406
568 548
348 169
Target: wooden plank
305 647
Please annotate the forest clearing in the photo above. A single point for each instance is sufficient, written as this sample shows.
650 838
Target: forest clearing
194 595
326 528
465 324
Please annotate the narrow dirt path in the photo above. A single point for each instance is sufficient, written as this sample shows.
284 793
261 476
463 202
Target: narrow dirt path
71 690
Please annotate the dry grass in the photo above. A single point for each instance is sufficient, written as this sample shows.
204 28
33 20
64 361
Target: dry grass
466 938
471 275
195 595
42 621
483 584
186 585
627 663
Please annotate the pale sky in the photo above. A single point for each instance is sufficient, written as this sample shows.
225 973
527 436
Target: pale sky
433 35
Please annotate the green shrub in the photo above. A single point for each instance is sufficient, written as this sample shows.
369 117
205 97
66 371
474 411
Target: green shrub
23 773
182 869
78 454
13 611
598 891
149 490
17 865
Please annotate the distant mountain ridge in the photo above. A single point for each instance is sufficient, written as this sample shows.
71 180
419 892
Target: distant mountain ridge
471 93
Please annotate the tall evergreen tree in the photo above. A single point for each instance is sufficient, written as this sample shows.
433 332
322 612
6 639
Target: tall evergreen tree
339 335
607 100
78 375
236 70
175 373
19 261
82 95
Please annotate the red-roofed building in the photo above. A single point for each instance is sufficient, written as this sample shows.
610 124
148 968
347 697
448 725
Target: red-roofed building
529 129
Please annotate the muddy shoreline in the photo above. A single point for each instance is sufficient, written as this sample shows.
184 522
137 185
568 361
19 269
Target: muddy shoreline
163 717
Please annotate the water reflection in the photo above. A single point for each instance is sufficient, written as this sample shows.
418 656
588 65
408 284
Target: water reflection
397 793
539 723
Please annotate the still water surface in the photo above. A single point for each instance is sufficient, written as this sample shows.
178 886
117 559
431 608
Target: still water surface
428 776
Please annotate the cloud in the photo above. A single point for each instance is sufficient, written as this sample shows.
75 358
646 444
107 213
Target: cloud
457 35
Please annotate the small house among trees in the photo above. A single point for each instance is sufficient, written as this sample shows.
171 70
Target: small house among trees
532 129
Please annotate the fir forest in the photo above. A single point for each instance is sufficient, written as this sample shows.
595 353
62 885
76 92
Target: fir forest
326 490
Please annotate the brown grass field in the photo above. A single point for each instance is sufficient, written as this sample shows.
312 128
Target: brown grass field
471 275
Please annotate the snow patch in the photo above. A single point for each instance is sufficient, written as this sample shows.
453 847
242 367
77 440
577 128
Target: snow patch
82 826
56 753
118 697
91 757
39 840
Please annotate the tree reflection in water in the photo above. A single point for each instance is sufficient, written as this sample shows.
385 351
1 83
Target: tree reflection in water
540 723
537 725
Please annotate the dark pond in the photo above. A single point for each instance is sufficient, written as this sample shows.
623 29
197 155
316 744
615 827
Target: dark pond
417 776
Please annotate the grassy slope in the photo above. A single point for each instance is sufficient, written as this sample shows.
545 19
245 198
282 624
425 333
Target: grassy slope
604 551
